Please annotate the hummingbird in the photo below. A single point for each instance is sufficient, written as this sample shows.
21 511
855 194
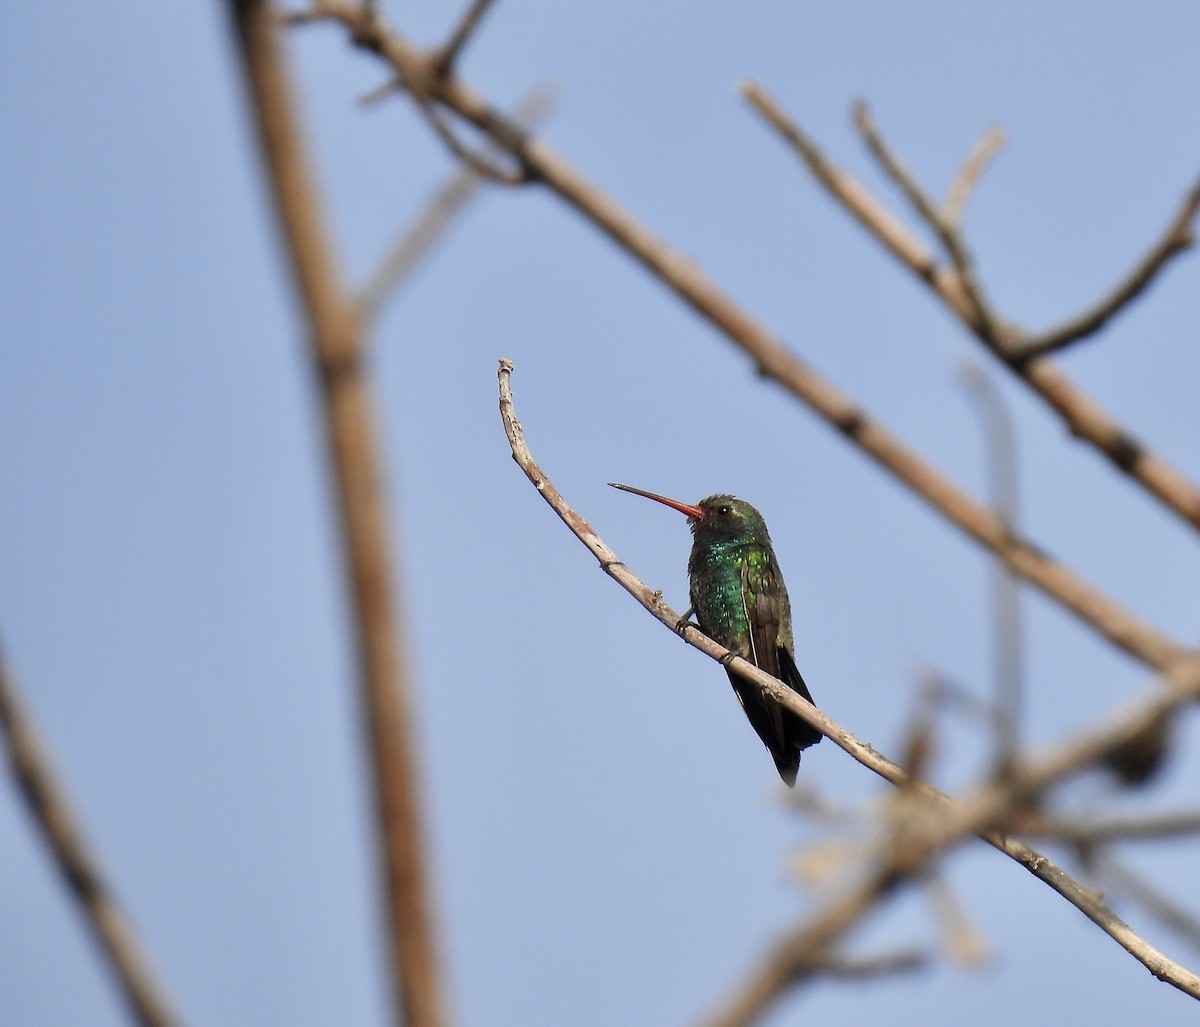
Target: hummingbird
738 597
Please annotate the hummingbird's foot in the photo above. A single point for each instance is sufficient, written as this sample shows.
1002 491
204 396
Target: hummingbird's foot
685 621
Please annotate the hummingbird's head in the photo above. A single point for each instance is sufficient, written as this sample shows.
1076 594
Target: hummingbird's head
717 519
724 518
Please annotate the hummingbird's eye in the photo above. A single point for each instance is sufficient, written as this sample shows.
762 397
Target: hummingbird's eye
724 511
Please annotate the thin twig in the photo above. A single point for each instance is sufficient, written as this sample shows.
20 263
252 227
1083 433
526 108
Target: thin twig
1083 417
336 345
980 813
1177 238
463 31
450 200
47 802
904 179
982 154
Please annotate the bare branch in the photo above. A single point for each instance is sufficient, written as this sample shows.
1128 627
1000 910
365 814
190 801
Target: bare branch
439 213
47 802
1083 417
335 335
869 213
982 813
904 179
973 167
1177 238
1087 831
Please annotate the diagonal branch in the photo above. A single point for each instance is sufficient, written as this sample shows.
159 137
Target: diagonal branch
983 813
47 802
336 345
1083 417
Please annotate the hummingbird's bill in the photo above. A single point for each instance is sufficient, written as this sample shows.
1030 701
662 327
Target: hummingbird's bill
695 513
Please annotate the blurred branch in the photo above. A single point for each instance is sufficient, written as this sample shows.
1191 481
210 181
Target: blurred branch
47 802
947 821
1083 417
771 358
1000 446
1084 831
887 964
800 954
336 345
1166 911
962 940
449 202
973 167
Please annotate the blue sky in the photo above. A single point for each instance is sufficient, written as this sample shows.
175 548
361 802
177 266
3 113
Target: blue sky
608 837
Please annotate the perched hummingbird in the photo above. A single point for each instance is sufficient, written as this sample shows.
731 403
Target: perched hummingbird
739 598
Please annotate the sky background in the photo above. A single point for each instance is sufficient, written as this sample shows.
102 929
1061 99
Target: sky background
609 840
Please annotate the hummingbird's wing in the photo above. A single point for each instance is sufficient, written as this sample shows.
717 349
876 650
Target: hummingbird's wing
765 605
763 602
